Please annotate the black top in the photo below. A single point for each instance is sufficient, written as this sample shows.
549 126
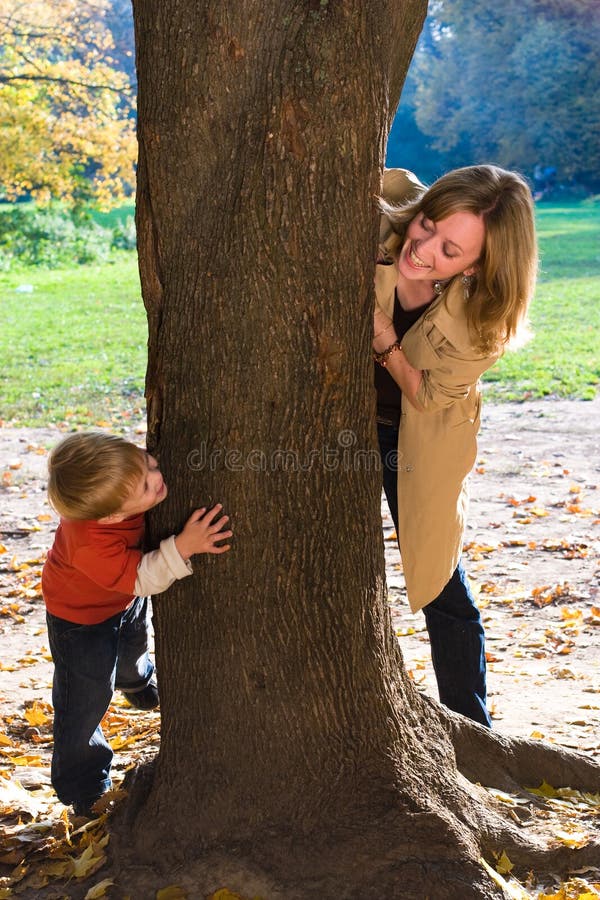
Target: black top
389 395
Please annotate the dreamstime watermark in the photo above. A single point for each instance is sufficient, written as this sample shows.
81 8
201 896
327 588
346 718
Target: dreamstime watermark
345 456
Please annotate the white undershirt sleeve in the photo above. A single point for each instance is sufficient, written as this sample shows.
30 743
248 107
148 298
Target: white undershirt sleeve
160 568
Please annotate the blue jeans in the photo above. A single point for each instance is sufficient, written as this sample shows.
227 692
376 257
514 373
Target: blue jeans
90 661
453 621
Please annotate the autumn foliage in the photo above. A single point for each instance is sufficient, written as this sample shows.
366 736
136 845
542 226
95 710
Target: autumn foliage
66 124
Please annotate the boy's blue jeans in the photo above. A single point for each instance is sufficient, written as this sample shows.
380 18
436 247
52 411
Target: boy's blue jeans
90 661
453 621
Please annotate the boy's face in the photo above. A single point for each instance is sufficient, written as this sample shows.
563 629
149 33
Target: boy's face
148 491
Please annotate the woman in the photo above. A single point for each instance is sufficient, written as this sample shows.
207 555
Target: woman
456 273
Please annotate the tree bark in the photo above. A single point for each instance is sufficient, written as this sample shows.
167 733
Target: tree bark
292 742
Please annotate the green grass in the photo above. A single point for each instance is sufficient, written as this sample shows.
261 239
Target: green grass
114 216
74 348
563 358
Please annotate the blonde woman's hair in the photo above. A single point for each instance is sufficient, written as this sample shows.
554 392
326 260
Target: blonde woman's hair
506 271
91 474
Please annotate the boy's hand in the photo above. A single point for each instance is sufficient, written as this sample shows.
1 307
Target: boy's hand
201 533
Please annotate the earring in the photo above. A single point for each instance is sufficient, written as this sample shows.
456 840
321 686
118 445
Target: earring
467 281
438 287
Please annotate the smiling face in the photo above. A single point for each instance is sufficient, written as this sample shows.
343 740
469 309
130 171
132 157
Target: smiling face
436 251
149 490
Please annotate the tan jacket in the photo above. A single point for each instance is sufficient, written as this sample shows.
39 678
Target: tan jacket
437 447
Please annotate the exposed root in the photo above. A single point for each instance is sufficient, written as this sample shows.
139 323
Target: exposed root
511 764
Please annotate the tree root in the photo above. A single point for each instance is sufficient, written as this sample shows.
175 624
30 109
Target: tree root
511 764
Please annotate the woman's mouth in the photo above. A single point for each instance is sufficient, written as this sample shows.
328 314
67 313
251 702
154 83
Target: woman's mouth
416 260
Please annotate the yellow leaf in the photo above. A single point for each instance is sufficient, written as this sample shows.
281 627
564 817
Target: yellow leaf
27 761
503 864
99 890
35 715
571 614
511 889
544 790
226 894
173 892
87 863
5 740
572 836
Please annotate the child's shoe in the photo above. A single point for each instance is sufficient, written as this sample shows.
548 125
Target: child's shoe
147 698
85 809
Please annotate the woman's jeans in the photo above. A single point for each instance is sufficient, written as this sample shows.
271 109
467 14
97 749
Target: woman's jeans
453 621
90 661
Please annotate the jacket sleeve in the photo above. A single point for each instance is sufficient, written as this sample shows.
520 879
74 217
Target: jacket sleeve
400 185
448 373
158 569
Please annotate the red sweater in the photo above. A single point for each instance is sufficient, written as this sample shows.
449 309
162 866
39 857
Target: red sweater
90 572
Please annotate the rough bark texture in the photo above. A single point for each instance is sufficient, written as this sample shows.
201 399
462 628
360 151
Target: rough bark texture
292 741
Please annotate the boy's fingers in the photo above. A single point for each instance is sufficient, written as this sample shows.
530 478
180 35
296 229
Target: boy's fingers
197 514
216 526
212 513
220 549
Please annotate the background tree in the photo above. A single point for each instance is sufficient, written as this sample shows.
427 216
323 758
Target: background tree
516 83
294 748
66 126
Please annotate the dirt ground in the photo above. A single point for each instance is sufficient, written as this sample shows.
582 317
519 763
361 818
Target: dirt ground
531 552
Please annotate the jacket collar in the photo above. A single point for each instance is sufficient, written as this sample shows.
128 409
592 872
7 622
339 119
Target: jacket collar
447 310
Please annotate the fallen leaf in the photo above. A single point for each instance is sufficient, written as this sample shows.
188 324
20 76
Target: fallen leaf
572 836
511 889
88 862
173 892
225 894
99 890
503 864
35 715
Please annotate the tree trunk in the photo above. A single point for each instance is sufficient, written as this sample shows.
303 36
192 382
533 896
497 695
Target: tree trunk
293 744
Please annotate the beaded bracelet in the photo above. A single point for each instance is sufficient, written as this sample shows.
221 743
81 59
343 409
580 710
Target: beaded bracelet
382 358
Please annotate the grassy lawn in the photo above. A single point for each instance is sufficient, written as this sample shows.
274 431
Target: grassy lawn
73 341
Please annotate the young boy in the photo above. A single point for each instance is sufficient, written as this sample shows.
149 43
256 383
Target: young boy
95 584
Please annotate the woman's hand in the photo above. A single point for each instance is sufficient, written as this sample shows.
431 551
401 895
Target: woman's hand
384 333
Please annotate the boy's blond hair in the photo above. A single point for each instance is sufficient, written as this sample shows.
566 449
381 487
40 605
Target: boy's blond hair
91 474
